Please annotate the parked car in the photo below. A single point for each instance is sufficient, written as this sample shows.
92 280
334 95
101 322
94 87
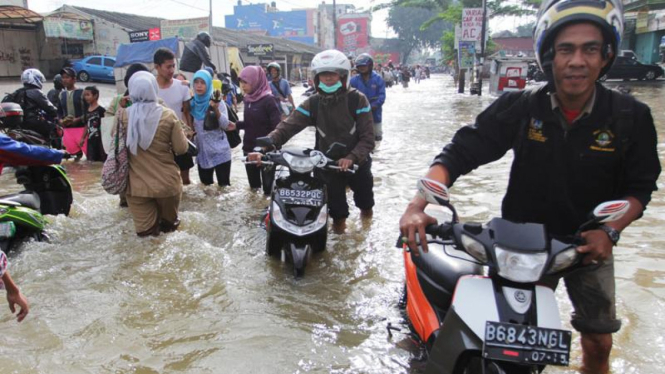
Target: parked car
627 68
627 53
95 68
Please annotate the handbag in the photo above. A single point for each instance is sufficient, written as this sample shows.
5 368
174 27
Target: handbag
210 123
234 135
115 173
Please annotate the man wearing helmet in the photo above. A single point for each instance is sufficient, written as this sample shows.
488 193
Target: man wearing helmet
576 144
39 113
280 88
340 114
195 56
372 85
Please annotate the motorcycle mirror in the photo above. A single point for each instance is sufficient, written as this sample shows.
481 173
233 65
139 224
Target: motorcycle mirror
434 192
336 150
264 142
610 211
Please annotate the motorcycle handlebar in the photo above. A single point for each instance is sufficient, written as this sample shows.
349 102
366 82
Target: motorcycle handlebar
335 167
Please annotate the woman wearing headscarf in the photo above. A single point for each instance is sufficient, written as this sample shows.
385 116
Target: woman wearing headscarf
214 151
261 116
153 135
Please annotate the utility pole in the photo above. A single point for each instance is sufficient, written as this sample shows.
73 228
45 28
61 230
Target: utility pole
210 19
482 49
334 24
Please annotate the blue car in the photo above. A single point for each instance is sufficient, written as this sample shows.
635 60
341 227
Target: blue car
95 68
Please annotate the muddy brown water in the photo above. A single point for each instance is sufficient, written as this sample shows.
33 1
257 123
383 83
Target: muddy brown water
206 299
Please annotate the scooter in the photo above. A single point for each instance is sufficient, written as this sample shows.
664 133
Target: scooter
473 300
297 218
47 190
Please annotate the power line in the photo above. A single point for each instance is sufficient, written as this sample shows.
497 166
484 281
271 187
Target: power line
189 5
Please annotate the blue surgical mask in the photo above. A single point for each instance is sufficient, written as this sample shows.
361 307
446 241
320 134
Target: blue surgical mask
330 89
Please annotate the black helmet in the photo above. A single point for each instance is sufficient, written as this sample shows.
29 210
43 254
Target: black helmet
555 14
204 38
365 59
57 82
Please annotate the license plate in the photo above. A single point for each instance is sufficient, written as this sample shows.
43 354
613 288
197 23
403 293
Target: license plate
301 197
7 230
526 344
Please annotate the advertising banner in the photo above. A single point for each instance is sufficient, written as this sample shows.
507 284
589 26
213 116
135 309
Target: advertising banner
139 36
353 35
466 53
472 23
184 28
68 28
267 50
155 34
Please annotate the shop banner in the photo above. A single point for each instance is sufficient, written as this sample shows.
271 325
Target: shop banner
466 53
68 28
184 28
353 35
267 50
472 23
144 35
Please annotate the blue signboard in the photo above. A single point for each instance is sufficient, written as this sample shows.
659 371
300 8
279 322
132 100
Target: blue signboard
254 18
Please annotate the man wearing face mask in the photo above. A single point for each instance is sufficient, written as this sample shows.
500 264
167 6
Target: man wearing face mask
340 114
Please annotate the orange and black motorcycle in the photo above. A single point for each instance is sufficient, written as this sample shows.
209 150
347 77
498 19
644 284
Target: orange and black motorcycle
474 299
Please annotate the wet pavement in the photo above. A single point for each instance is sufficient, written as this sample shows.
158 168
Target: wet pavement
207 299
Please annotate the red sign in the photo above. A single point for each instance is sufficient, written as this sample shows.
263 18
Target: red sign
353 35
155 33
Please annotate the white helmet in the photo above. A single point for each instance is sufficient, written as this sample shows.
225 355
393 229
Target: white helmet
334 61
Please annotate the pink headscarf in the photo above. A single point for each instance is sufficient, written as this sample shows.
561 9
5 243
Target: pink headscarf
256 78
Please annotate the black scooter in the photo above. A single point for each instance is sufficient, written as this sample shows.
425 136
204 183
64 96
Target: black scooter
297 218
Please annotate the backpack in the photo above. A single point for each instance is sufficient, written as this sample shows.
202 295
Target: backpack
17 97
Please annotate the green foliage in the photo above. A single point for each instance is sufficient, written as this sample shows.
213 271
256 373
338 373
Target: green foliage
407 21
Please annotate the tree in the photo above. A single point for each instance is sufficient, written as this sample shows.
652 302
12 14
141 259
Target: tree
450 11
407 21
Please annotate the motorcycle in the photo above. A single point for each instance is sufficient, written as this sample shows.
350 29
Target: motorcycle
47 190
474 300
534 73
297 218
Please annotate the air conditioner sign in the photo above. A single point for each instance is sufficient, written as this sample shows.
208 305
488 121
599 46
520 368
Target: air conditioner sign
260 49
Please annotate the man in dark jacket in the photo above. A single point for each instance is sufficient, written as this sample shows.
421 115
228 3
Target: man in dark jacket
195 56
333 122
39 114
575 146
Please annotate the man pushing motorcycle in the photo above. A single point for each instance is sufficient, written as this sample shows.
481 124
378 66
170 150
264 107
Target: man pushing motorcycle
576 144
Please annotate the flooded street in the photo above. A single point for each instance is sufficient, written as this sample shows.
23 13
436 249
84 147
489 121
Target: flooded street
206 299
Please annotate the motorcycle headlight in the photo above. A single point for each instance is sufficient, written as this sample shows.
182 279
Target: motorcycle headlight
520 267
294 229
299 164
563 260
474 248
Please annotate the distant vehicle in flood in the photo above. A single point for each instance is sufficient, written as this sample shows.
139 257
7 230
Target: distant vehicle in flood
628 68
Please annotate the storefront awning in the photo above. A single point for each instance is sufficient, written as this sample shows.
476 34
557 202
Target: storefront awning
17 14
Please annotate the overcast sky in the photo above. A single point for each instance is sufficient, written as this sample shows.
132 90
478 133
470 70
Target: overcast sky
179 9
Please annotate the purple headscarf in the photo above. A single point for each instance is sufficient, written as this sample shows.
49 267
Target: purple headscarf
256 78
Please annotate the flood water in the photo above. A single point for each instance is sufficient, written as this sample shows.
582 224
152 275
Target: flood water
206 299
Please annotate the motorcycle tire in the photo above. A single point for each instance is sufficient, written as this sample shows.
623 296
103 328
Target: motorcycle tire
274 244
320 240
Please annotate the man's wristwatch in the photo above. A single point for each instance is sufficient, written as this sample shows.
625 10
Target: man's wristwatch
612 233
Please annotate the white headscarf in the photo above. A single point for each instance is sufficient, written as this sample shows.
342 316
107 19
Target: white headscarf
144 113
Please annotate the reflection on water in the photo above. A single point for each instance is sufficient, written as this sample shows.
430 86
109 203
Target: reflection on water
206 299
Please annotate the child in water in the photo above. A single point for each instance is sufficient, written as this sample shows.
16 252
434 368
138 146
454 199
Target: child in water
93 122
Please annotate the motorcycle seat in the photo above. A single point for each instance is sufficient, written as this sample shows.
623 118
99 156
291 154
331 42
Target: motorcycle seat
442 269
27 199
